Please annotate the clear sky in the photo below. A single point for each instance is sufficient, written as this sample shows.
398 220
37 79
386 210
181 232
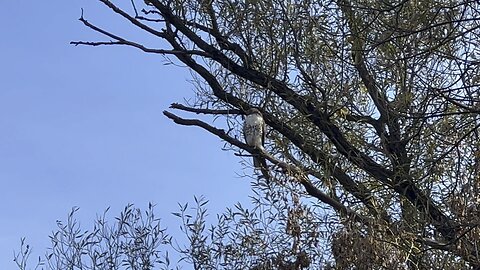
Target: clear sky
83 126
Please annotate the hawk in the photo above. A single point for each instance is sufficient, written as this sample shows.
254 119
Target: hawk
254 133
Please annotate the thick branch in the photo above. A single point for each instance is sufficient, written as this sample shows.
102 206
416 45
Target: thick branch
205 111
224 43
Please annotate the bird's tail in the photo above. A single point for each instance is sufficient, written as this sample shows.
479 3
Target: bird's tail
261 164
257 162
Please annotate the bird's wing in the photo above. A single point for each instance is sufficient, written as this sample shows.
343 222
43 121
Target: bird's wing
245 128
264 131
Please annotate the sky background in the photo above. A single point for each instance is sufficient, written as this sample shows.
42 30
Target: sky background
83 126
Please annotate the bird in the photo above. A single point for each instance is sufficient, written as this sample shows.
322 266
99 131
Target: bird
254 133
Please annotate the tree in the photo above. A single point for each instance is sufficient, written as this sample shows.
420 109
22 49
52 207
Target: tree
372 110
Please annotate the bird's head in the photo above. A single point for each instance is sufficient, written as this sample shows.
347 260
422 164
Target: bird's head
253 111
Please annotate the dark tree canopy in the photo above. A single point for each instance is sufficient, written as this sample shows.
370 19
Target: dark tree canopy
372 110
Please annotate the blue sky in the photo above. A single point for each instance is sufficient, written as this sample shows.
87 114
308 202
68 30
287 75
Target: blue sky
83 126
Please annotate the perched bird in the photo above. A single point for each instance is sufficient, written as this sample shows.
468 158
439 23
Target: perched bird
254 133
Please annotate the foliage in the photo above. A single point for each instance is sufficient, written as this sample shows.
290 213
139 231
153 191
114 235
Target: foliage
372 110
132 241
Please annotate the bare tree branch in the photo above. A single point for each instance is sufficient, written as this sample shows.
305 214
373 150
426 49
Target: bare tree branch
205 111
